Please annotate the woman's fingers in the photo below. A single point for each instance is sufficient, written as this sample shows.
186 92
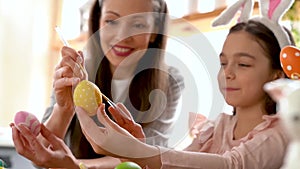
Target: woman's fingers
54 141
20 146
70 52
31 148
67 67
74 61
65 82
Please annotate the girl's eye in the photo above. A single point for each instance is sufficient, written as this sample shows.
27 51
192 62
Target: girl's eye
223 64
244 65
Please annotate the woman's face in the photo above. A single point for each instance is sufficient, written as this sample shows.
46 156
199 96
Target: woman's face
244 70
126 29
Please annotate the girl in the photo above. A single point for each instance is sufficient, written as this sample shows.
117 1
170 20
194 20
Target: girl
252 137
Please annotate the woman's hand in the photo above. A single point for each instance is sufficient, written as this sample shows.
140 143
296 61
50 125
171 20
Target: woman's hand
112 139
68 73
56 155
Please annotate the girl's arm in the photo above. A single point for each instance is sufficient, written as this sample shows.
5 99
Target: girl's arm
265 150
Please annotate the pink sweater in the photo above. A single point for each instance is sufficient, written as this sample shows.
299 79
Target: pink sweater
214 147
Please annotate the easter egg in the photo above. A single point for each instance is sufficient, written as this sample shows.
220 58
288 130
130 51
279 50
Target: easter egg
2 164
29 120
88 96
290 61
128 165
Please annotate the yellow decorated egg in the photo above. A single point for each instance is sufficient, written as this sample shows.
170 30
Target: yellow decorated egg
88 96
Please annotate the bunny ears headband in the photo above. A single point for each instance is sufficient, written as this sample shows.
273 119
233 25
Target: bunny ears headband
271 11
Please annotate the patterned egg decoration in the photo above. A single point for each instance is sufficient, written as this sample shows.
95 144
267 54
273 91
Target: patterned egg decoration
290 61
29 120
88 96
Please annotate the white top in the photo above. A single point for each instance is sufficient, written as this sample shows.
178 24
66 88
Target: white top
119 89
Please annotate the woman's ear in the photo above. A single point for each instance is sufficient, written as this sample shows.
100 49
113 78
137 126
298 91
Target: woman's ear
153 37
154 34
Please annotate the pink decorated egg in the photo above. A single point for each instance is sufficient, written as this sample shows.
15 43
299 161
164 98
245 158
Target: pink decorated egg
29 120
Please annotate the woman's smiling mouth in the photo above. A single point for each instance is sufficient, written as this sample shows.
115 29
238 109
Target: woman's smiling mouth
122 51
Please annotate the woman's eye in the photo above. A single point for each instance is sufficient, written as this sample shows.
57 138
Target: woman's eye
139 25
111 22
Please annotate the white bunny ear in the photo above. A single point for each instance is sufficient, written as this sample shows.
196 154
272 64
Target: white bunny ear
228 14
275 9
272 11
275 89
281 88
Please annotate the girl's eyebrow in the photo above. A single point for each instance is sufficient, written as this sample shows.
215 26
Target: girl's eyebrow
239 54
243 54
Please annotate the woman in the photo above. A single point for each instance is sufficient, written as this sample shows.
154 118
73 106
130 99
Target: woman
125 59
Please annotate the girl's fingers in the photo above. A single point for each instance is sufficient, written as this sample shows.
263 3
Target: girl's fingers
86 122
94 134
102 116
119 117
125 110
116 115
107 122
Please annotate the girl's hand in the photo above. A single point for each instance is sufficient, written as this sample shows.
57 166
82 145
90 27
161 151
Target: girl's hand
112 139
56 155
130 125
68 73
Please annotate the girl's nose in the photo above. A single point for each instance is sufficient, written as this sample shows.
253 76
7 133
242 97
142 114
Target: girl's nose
229 72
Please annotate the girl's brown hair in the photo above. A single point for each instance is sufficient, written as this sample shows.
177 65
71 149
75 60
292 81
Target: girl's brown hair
266 38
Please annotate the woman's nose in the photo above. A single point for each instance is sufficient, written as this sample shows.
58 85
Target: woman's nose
123 33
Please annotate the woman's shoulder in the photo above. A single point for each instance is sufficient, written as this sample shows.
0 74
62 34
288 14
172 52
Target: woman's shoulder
175 77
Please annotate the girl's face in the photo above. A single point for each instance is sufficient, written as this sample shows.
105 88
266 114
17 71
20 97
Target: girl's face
126 29
244 70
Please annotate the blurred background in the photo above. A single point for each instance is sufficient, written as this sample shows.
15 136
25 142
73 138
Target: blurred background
30 48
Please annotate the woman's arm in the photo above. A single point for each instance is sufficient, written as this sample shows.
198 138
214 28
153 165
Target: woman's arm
67 74
159 130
